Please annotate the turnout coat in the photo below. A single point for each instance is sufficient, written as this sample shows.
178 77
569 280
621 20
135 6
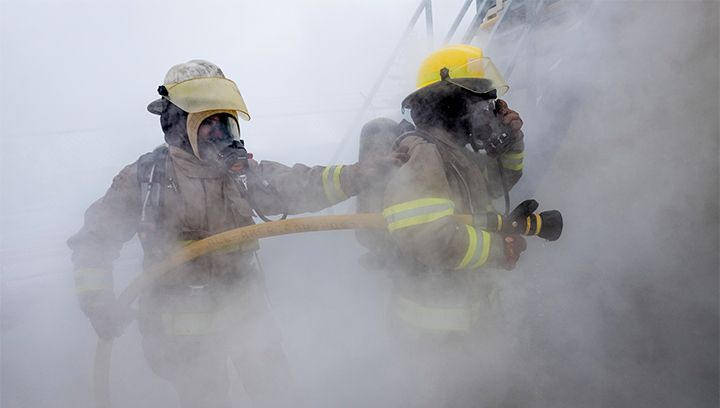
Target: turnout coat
214 291
440 273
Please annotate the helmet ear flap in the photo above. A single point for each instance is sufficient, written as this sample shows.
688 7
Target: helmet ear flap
173 121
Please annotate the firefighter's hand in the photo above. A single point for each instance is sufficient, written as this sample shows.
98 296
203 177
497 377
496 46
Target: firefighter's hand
364 173
110 318
509 120
513 245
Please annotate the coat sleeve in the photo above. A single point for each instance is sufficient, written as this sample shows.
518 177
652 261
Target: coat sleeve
109 223
512 163
303 188
418 209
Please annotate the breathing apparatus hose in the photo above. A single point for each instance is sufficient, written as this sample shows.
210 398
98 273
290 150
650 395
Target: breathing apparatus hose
101 374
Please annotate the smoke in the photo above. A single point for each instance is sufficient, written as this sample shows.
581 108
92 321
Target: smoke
621 311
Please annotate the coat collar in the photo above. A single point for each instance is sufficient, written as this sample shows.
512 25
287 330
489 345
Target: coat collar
191 166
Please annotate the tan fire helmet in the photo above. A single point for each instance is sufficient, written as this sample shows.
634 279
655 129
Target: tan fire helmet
197 86
200 88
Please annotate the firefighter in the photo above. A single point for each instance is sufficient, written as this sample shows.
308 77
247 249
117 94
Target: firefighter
201 183
444 318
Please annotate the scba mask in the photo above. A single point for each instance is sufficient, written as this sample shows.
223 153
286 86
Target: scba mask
485 130
218 142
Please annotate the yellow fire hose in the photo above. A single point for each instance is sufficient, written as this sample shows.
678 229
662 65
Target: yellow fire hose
101 374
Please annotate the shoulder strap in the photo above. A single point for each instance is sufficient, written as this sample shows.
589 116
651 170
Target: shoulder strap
151 177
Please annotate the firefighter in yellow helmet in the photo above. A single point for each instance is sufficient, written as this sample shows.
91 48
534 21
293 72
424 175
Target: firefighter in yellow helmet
200 183
444 317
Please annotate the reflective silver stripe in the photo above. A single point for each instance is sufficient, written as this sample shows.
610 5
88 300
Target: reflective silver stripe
513 161
424 317
331 183
93 279
417 212
478 248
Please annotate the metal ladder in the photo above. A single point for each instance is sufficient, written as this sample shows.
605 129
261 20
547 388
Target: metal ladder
509 32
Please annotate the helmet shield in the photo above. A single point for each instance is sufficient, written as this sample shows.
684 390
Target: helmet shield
206 94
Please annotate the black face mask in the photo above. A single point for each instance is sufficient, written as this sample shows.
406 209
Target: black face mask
485 132
223 149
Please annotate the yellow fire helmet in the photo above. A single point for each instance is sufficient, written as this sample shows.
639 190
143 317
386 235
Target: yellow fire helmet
461 65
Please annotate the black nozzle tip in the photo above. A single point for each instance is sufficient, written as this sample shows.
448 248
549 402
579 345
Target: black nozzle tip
552 225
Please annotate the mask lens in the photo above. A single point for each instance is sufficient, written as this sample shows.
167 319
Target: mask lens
220 143
232 127
219 129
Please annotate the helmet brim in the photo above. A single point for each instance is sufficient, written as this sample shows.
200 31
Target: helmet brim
155 107
482 87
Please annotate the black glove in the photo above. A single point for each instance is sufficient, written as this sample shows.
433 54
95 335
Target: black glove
523 221
513 245
516 221
108 317
510 120
366 172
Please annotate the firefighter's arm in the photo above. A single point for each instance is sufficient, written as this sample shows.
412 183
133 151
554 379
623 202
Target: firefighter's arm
512 164
109 222
310 189
512 160
418 211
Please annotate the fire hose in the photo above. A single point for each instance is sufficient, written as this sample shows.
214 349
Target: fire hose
101 373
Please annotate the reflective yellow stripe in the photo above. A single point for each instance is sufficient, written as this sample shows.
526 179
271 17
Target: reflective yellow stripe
527 226
485 249
416 212
189 324
478 250
539 224
411 205
424 317
87 272
513 161
93 286
513 155
333 191
499 228
93 279
471 248
420 219
336 181
325 184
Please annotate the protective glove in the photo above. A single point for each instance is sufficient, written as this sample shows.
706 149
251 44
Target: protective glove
513 245
108 317
516 221
365 173
510 121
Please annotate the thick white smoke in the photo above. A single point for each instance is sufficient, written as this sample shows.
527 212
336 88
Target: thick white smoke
621 311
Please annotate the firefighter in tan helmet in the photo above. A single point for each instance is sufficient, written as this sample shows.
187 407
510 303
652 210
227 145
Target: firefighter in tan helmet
444 317
200 183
